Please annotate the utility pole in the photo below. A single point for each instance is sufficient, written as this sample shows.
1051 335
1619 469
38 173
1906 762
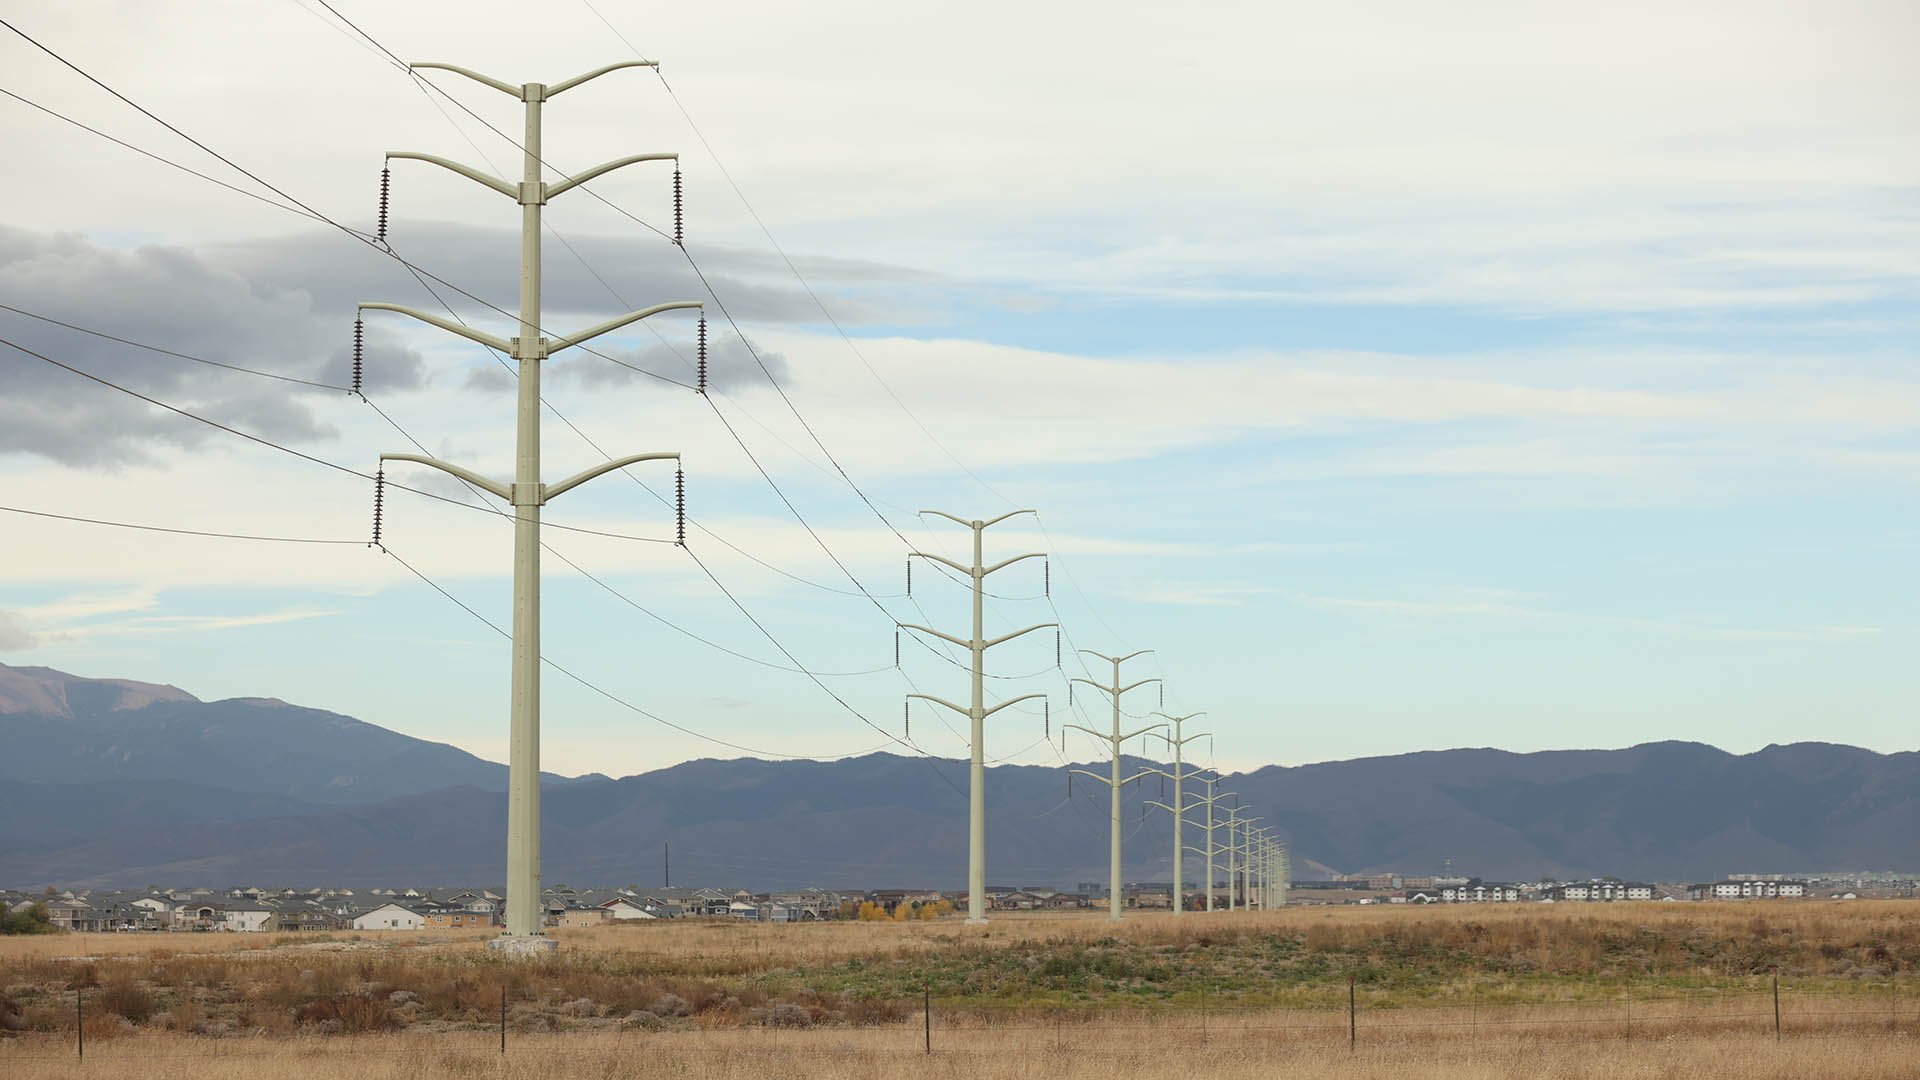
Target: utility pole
1115 739
977 712
527 494
1283 873
1211 852
1177 743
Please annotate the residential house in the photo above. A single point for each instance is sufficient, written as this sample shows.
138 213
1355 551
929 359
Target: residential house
1479 892
389 916
623 908
1748 890
247 916
1606 890
579 917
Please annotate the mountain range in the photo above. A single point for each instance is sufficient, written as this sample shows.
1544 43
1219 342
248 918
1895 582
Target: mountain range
107 782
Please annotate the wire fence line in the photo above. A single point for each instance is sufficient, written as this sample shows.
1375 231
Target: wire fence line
1773 1010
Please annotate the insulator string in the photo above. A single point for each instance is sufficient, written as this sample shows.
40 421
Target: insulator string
909 575
896 648
1046 578
906 717
679 237
700 384
679 506
379 497
386 180
1046 718
359 348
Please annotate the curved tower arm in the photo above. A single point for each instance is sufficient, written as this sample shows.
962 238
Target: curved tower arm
945 637
471 477
561 87
448 325
967 570
941 701
1004 638
494 182
1004 563
1010 701
585 475
484 80
1005 516
572 182
1116 659
611 325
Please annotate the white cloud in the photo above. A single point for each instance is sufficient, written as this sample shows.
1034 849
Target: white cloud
14 636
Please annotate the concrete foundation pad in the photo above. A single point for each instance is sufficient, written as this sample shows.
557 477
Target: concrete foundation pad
521 947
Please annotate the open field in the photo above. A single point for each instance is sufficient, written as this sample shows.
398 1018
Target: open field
1092 1053
1485 990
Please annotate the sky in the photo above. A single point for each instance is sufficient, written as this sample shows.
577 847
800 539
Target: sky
1406 376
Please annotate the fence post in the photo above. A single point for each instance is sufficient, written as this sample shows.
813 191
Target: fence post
1353 1018
926 1014
503 1018
79 1023
1776 1004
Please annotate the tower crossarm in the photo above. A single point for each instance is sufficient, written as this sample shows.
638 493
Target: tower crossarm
451 327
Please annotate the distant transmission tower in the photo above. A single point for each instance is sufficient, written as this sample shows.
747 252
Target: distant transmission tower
977 712
527 494
1177 743
1114 739
1210 851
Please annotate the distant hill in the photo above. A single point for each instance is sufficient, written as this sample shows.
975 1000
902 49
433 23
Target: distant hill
62 729
129 784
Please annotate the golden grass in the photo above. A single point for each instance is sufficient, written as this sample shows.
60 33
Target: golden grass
1260 1044
1689 971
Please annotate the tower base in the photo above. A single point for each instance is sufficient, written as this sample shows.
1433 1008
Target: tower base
522 946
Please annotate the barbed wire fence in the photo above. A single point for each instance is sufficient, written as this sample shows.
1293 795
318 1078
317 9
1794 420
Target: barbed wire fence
1768 1008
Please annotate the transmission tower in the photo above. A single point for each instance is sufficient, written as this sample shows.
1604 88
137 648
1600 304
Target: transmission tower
1210 851
1114 740
977 712
527 494
1177 743
1235 825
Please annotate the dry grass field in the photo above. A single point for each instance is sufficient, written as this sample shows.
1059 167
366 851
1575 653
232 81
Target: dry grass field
1578 990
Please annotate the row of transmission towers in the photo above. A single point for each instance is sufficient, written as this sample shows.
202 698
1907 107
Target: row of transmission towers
1255 862
1255 859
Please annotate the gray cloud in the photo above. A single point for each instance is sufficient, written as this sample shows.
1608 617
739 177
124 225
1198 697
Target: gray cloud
177 299
338 272
286 304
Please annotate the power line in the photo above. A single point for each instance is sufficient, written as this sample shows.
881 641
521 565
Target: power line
418 273
812 294
304 456
603 692
303 208
170 352
181 532
156 157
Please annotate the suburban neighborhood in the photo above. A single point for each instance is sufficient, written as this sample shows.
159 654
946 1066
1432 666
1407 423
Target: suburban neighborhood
258 910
